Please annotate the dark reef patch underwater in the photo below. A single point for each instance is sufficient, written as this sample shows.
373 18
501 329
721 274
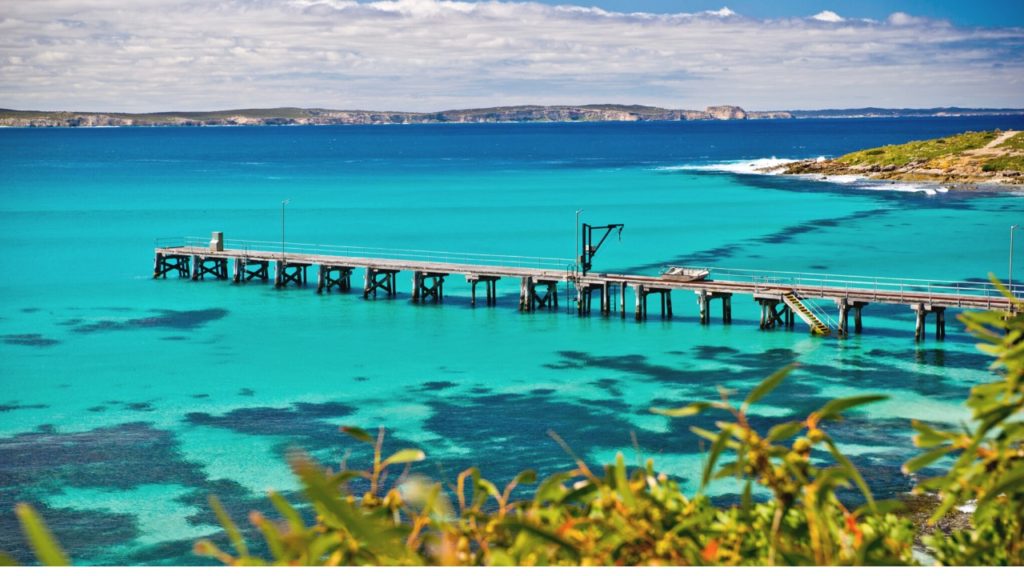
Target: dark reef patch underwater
167 319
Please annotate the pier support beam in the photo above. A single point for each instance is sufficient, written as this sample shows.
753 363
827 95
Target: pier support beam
286 273
921 316
622 299
246 270
775 312
328 277
530 298
379 279
845 305
704 299
490 283
585 289
427 285
642 292
164 263
209 265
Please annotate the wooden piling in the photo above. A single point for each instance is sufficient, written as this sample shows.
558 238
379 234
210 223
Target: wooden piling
919 318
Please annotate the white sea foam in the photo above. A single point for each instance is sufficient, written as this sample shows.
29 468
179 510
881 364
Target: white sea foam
771 165
844 178
774 167
906 187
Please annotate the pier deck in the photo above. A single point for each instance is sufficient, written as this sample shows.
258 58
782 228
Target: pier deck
773 290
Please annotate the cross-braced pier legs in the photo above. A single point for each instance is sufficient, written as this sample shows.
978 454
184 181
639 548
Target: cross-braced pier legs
328 277
379 279
775 312
530 298
164 263
427 285
286 273
246 270
490 283
209 265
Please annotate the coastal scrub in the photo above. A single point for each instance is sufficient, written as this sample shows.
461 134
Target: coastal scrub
992 157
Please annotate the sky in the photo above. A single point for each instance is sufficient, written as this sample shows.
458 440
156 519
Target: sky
429 55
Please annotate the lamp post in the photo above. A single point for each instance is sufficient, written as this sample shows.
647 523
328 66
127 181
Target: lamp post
283 204
577 255
1009 274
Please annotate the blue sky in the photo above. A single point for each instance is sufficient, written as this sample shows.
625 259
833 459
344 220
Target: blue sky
428 55
960 12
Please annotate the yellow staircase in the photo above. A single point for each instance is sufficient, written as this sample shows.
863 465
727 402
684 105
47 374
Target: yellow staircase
817 325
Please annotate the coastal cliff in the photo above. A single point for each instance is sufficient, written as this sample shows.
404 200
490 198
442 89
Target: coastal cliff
993 157
322 116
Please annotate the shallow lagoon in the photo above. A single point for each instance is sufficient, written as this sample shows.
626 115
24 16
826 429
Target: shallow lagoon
125 401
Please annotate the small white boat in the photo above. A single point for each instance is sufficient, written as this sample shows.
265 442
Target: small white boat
685 274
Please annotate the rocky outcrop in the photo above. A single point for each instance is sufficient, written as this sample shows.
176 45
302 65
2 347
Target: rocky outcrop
770 115
992 158
726 112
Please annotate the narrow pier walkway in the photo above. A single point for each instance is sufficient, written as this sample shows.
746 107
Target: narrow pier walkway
781 295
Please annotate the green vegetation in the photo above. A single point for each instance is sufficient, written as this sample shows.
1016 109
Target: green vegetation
618 516
1015 142
918 150
1004 163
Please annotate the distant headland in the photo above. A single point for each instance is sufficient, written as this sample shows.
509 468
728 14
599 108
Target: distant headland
323 116
993 157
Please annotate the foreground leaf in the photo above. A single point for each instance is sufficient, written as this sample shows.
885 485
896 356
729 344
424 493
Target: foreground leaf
39 537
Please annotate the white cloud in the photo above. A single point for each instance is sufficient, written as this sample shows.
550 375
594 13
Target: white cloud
828 16
904 19
722 12
149 55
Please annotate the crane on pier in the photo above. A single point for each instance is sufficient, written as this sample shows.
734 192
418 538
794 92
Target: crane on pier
589 248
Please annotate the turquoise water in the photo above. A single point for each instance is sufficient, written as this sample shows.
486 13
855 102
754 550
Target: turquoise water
125 401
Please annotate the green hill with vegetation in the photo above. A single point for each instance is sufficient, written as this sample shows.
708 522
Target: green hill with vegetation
995 157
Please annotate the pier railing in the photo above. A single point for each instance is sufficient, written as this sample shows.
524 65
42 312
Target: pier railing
828 284
809 284
472 258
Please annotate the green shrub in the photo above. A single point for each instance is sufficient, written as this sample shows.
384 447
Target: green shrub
1004 163
989 468
1015 142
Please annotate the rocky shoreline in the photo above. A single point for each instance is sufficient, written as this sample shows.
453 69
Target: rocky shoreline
918 508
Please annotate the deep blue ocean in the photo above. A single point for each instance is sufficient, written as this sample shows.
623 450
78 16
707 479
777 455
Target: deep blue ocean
125 401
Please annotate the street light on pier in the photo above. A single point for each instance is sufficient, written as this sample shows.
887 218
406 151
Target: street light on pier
1009 274
576 255
283 204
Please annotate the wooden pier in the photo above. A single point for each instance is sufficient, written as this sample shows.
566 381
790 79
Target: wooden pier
781 296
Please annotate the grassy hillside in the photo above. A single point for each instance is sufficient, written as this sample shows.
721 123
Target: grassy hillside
919 150
995 157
